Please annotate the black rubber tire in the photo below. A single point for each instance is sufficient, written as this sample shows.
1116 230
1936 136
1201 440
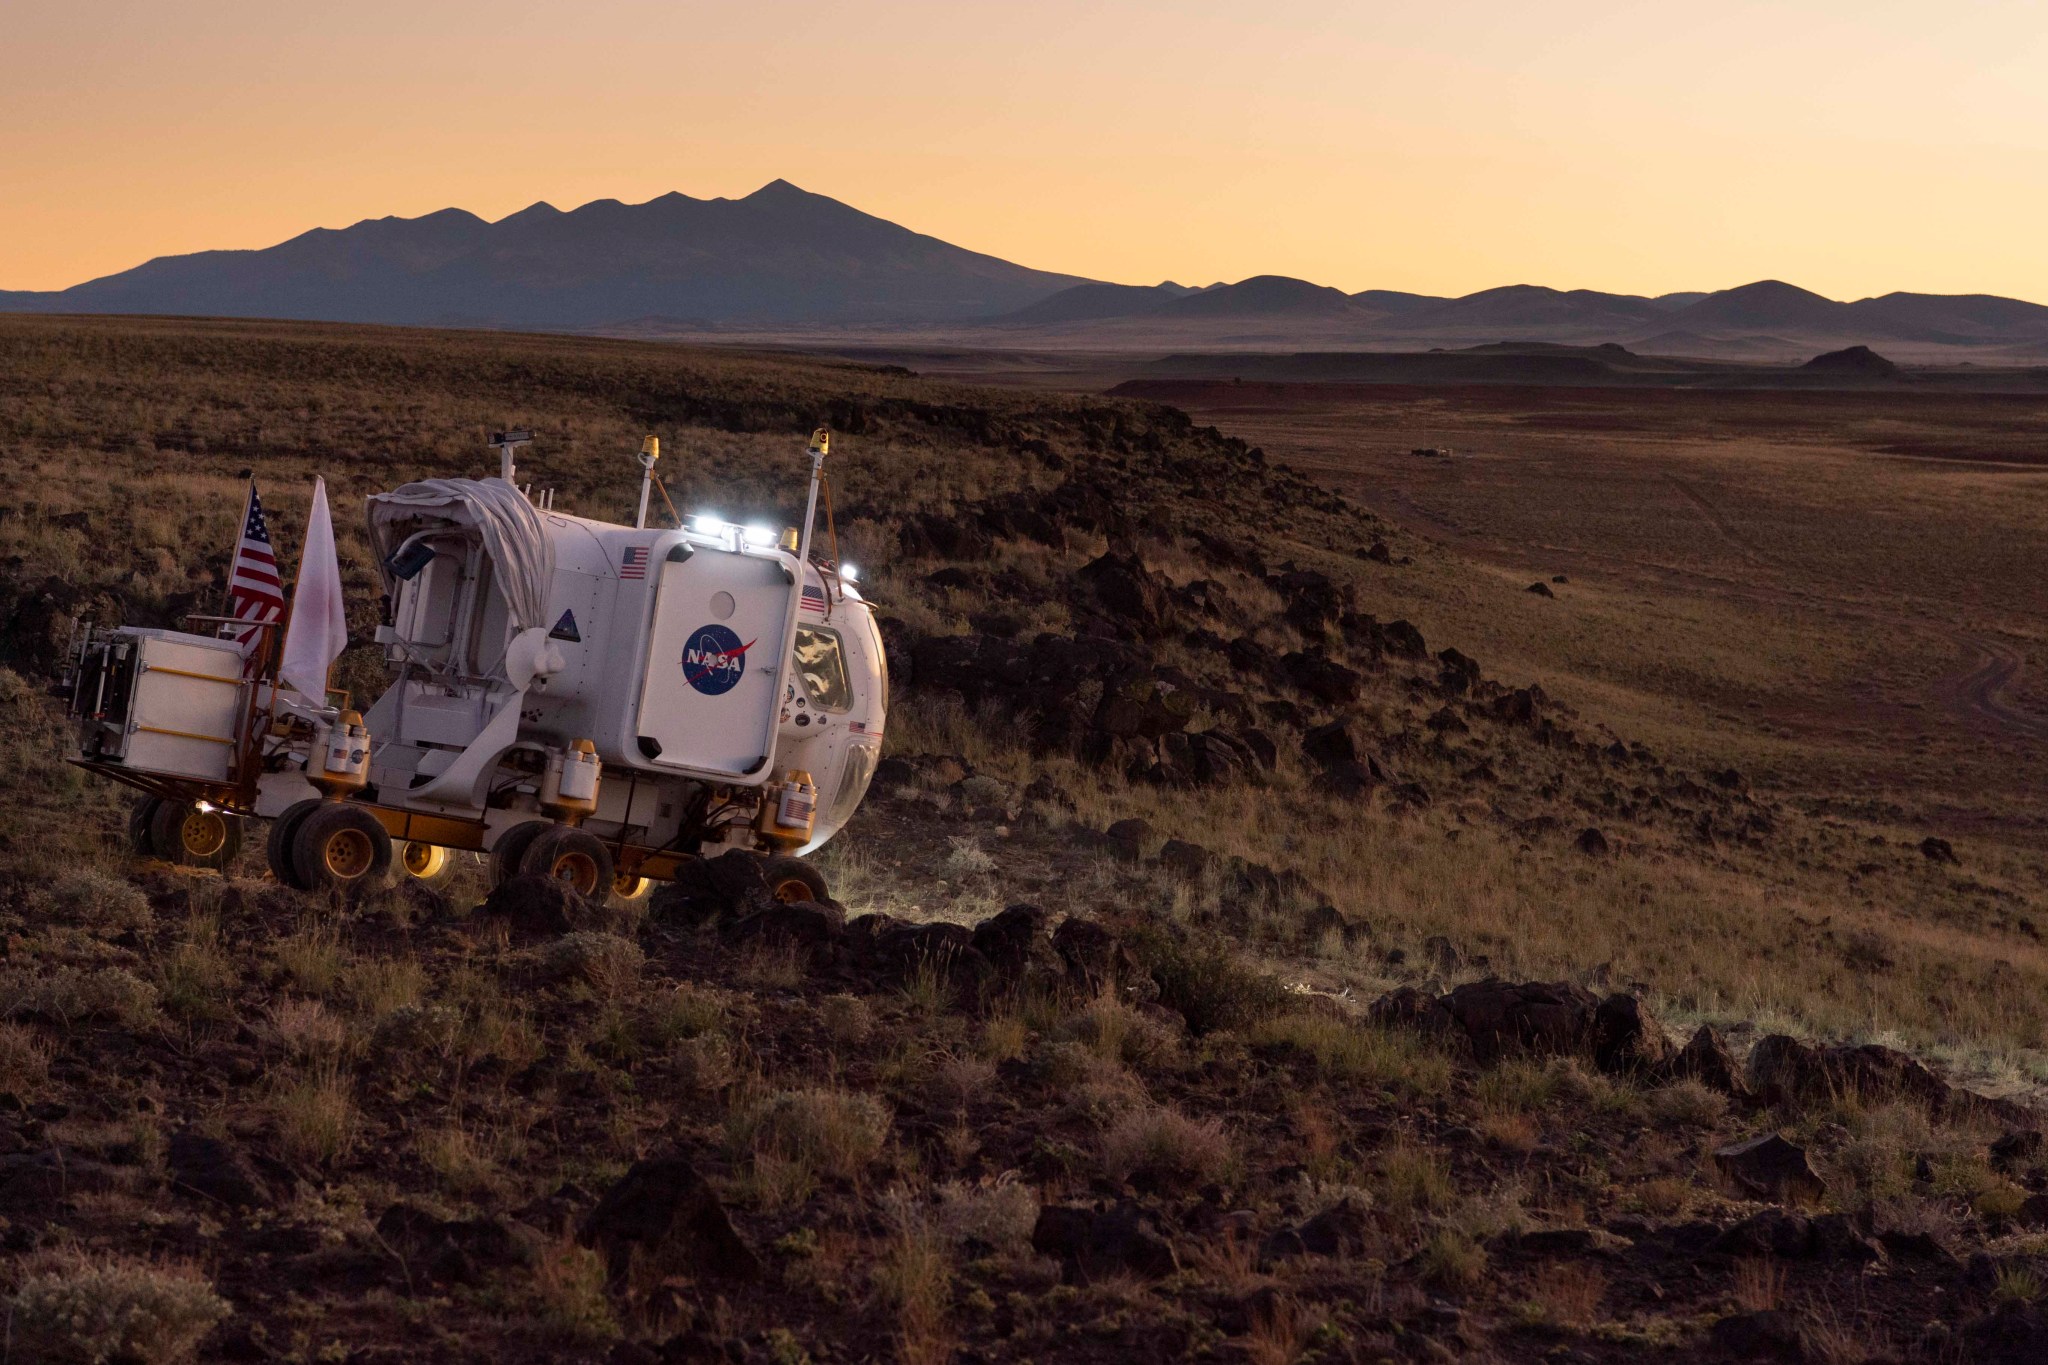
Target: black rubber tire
510 850
786 872
277 848
139 817
167 836
577 859
340 847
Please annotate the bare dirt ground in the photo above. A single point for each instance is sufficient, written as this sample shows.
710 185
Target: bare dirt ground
1860 563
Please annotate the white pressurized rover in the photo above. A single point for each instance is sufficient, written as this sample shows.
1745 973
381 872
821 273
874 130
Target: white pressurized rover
593 702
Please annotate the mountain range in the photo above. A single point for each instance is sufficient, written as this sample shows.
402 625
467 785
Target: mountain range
778 256
785 260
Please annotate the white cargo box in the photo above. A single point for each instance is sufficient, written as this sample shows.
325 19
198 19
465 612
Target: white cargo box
185 705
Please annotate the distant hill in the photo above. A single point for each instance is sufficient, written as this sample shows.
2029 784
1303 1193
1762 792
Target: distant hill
1767 304
1213 378
782 260
1263 296
1393 301
779 255
1086 302
1529 306
1859 362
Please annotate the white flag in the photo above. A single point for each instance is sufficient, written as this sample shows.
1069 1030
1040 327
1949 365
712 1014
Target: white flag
319 628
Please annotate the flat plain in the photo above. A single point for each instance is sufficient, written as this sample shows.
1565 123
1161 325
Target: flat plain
1839 590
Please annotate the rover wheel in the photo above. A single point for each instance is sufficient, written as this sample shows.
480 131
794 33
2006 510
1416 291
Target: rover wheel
278 847
340 847
573 857
428 863
191 837
791 879
510 850
631 886
139 816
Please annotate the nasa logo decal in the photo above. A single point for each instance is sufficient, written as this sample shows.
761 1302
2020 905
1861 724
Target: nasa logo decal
713 659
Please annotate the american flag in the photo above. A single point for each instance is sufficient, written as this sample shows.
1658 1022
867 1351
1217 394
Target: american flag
814 598
633 562
255 587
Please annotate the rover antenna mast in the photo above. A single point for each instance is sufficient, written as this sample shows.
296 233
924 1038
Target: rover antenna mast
650 451
507 443
821 446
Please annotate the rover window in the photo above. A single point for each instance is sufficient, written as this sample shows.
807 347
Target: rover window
821 663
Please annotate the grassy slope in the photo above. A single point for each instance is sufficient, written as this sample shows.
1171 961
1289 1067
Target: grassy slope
412 1053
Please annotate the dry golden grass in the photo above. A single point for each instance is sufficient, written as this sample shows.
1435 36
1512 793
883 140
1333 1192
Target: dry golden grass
1657 640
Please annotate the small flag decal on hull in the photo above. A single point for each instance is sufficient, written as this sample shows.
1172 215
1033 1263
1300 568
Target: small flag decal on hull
814 599
633 562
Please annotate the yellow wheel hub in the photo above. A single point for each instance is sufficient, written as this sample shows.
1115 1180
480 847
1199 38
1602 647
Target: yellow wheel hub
578 871
628 886
424 860
348 854
791 890
203 833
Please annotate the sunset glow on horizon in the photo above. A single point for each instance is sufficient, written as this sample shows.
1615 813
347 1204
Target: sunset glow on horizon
1851 148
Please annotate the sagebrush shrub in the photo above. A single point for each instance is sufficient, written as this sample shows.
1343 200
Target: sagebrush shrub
97 1310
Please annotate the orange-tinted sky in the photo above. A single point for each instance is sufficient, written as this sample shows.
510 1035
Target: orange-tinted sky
1853 146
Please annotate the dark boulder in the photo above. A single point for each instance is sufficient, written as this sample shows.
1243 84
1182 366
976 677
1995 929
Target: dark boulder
1407 1007
662 1210
2016 1334
1785 1071
1627 1037
218 1171
459 1251
1323 920
1321 678
1188 859
1522 706
933 534
1141 706
1312 600
1330 745
1012 941
1126 839
1095 960
1340 1230
1403 639
1126 590
1708 1060
1769 1335
811 927
1343 1229
1460 672
2016 1149
1504 1017
1770 1168
731 886
1218 757
900 952
1092 1243
1775 1233
538 907
1788 1236
38 1184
